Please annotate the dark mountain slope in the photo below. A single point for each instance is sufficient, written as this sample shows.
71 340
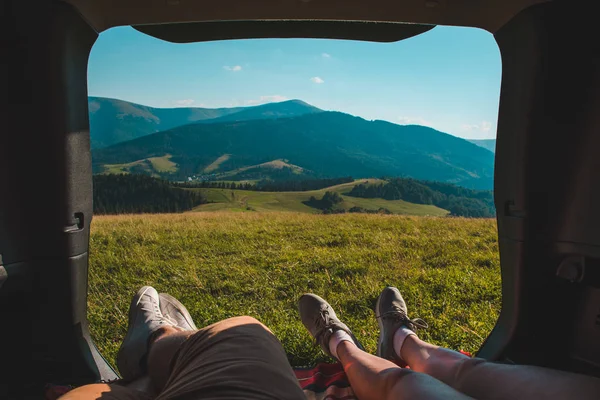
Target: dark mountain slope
329 144
489 144
113 121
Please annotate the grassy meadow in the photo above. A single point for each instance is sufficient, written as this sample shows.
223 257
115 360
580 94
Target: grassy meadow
243 200
149 165
223 264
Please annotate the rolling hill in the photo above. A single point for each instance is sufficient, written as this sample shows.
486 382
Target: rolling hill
324 144
247 200
113 121
489 144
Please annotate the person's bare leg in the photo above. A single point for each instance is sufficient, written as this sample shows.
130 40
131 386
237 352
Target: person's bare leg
482 379
472 376
106 391
436 361
235 358
161 352
372 377
147 324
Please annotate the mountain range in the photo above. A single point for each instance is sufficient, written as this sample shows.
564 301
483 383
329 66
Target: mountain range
286 140
113 121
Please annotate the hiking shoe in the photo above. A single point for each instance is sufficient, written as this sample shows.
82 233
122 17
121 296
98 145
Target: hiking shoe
321 321
144 319
391 314
172 309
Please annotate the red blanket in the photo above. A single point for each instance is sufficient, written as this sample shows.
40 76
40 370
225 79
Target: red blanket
325 382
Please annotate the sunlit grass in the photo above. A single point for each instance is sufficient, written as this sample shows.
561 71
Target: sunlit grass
223 264
243 200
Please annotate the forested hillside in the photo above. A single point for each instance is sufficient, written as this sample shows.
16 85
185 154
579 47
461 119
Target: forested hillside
317 145
131 194
458 200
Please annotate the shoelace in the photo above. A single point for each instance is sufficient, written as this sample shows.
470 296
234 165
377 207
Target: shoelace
163 319
322 324
170 320
400 316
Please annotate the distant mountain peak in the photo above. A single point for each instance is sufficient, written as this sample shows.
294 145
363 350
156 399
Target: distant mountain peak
300 102
284 103
113 120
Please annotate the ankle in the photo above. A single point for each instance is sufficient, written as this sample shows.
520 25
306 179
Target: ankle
343 350
400 337
337 338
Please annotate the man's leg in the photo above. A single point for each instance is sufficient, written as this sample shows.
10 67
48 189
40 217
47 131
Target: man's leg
235 358
105 391
472 376
371 377
146 323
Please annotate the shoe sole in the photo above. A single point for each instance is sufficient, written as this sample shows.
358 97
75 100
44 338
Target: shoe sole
180 307
380 323
132 313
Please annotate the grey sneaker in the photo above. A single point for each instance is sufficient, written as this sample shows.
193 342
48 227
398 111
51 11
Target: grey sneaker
144 319
391 314
172 308
321 321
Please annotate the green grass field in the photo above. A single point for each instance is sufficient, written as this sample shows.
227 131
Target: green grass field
244 200
217 163
149 165
225 264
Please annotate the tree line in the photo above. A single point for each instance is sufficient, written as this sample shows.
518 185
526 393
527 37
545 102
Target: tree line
269 185
458 200
327 203
331 201
129 194
215 185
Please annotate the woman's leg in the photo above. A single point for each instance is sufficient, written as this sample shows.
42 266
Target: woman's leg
371 377
482 379
472 376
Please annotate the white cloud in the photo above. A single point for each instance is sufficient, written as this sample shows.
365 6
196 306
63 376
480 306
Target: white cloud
316 79
325 55
235 68
184 102
469 127
483 127
486 126
413 121
275 98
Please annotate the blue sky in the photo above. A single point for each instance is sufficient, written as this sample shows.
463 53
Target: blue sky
447 78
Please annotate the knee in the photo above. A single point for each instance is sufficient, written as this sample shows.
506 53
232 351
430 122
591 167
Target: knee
464 370
396 376
244 321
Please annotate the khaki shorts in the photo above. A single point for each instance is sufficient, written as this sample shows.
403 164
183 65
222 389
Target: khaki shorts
238 358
